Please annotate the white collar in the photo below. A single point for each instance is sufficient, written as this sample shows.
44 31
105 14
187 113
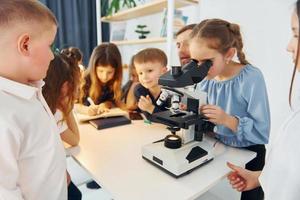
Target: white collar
19 89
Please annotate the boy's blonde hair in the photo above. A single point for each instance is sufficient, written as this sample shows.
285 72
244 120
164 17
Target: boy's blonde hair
13 12
151 55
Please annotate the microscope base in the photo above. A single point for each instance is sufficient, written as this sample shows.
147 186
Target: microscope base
181 161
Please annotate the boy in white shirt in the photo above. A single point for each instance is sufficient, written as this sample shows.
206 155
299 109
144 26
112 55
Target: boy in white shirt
32 158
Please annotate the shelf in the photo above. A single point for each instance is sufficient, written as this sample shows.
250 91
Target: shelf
146 9
140 41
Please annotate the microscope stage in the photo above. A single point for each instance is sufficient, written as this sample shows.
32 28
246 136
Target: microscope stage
181 161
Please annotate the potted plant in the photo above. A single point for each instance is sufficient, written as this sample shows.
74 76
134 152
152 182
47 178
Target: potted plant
141 31
115 5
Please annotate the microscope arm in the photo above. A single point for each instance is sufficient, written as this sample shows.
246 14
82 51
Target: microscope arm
200 95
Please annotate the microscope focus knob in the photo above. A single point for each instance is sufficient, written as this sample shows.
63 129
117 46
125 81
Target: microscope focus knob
173 129
172 141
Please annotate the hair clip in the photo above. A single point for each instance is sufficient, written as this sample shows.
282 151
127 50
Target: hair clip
54 49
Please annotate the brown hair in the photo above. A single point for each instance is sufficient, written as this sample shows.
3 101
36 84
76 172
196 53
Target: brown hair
151 55
106 54
185 28
73 52
62 69
297 58
221 35
18 11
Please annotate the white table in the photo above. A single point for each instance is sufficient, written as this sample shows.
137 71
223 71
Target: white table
113 158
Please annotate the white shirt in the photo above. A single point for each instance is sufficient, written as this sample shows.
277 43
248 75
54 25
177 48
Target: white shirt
280 178
32 158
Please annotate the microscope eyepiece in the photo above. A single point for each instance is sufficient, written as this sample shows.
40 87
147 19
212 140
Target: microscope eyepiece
176 71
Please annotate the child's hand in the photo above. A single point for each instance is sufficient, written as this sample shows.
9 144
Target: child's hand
182 106
92 110
217 116
214 114
242 179
145 104
102 108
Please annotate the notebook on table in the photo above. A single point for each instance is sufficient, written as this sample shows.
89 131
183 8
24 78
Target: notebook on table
109 122
113 112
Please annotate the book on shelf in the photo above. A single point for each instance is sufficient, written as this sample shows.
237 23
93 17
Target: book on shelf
113 112
179 21
118 31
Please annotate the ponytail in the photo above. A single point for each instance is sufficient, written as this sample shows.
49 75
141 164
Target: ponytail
238 42
74 53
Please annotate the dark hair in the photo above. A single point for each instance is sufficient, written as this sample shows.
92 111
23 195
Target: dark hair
221 35
151 55
62 69
106 54
73 52
185 28
297 58
17 11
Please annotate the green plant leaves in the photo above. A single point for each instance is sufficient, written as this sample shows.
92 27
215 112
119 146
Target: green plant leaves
115 5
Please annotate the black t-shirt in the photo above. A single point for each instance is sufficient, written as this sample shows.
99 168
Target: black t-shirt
140 90
125 90
107 94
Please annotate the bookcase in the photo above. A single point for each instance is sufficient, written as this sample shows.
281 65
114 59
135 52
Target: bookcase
147 9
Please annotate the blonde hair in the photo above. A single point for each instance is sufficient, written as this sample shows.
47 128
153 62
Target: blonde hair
106 54
24 11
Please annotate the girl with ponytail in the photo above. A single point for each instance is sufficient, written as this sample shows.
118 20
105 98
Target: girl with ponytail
237 95
60 91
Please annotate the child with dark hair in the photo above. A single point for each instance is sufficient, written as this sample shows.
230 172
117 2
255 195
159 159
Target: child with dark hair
60 91
76 54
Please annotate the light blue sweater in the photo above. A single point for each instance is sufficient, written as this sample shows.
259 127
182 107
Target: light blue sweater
245 97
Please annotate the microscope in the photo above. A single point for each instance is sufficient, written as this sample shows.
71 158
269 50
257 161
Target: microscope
184 150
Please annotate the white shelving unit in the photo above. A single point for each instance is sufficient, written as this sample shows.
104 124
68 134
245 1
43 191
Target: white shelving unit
141 41
146 9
